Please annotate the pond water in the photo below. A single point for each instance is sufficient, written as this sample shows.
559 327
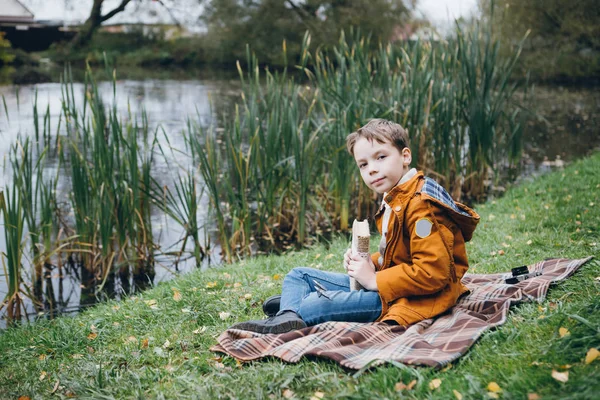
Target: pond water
566 129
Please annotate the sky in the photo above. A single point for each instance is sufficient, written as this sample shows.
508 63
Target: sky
440 12
443 12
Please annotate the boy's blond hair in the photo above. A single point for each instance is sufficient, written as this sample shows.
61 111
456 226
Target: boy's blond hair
381 130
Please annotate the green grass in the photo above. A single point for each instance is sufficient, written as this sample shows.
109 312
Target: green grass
101 353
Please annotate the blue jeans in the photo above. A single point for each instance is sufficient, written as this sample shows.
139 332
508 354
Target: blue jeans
337 304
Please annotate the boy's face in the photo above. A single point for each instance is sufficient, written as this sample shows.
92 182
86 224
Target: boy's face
381 165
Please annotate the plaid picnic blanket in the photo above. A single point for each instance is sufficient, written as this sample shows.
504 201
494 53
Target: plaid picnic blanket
432 342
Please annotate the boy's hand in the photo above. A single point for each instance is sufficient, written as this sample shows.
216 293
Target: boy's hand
347 256
362 270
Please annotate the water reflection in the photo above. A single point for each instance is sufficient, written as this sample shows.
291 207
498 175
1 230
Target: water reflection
167 105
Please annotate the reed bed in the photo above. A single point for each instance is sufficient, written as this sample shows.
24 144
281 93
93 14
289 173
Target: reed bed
100 223
278 171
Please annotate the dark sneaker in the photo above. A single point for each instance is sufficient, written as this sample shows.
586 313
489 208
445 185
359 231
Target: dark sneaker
271 305
288 321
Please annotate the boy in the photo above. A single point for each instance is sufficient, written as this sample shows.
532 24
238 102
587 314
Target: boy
416 273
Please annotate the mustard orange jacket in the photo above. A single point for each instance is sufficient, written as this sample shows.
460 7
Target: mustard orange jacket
420 272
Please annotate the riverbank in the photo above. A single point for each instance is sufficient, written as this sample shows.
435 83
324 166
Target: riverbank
156 344
155 54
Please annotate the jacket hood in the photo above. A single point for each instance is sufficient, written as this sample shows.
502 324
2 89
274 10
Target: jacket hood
466 218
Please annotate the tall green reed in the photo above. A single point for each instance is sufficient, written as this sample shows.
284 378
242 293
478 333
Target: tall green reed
205 151
14 225
27 178
110 169
493 133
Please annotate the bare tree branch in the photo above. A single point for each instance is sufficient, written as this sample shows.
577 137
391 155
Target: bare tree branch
170 13
118 9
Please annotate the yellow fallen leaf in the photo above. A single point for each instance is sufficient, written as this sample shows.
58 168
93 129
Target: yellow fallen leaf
92 336
529 241
447 367
224 315
55 388
151 302
43 375
226 275
176 294
533 396
591 355
493 387
144 344
24 398
211 285
563 332
402 386
248 296
493 395
237 285
541 309
434 384
42 357
288 394
131 339
169 368
457 394
560 376
277 277
317 395
317 256
328 256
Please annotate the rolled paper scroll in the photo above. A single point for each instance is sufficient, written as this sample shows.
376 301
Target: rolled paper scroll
360 245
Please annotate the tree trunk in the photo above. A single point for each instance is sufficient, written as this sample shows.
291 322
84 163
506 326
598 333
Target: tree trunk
94 21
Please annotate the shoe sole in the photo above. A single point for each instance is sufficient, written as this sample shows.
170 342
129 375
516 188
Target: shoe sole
284 327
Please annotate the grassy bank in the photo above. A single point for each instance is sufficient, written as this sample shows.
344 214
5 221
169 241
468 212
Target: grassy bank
156 344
